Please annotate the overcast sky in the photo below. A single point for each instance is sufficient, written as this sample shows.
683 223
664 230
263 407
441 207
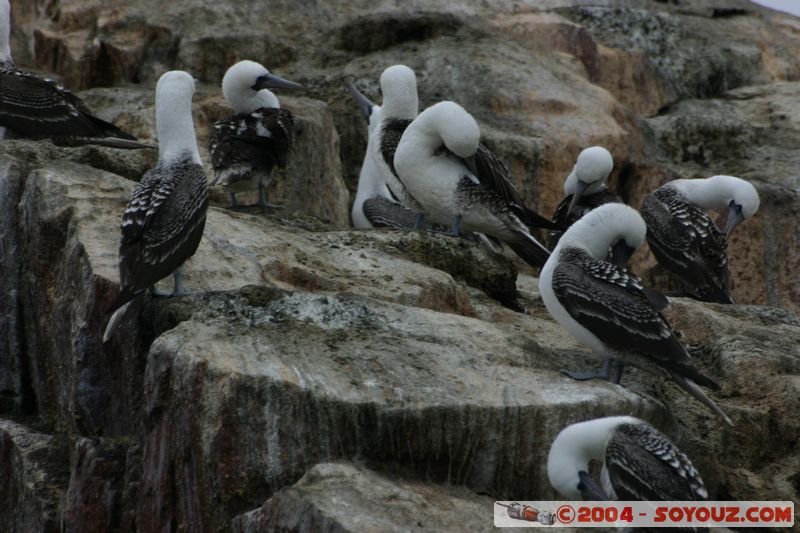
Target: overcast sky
790 6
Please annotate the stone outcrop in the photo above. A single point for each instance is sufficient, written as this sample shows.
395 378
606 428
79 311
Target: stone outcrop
318 371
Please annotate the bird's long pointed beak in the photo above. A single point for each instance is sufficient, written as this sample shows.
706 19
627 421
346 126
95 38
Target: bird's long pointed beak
271 81
579 189
364 103
589 488
621 253
734 218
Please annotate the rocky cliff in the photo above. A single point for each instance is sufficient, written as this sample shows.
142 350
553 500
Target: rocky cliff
329 379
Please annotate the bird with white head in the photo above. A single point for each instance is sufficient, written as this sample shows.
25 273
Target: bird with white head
246 146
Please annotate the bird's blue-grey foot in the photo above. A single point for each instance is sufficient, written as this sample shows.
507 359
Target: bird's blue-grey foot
455 228
419 221
611 371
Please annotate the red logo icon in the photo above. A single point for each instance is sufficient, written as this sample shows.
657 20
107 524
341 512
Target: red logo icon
565 514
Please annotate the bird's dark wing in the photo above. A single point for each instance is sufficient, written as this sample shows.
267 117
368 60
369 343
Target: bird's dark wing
35 107
163 224
611 303
254 142
586 203
643 464
384 213
493 174
687 243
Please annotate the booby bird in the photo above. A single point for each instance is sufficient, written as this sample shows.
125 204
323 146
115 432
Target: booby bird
246 147
165 217
686 241
38 108
458 181
400 107
374 205
585 188
639 463
607 309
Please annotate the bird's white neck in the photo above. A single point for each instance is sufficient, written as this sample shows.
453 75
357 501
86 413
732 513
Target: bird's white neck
176 135
5 31
575 446
570 184
603 227
243 103
448 123
401 102
704 193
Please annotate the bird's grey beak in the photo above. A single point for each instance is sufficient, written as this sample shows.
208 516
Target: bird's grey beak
579 189
621 253
271 81
364 103
471 165
735 217
589 488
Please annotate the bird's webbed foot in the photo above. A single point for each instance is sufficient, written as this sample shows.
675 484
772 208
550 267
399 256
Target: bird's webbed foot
612 371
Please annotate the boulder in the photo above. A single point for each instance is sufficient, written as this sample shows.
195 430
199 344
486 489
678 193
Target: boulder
350 498
35 472
253 388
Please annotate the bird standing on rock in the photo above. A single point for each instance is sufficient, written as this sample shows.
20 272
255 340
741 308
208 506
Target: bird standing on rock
374 205
38 108
585 189
460 182
164 221
400 107
686 241
607 309
246 147
639 463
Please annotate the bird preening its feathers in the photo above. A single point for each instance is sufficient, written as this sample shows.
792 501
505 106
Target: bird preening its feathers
457 181
607 308
686 241
639 463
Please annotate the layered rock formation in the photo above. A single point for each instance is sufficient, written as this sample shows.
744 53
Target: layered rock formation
329 379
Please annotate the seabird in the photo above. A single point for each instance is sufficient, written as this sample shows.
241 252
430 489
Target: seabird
400 106
38 108
374 205
460 182
165 217
607 309
585 189
686 241
639 463
246 147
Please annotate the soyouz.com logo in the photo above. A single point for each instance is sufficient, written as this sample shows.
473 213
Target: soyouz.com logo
643 514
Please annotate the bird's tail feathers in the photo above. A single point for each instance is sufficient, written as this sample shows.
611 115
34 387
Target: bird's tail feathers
121 305
116 142
535 220
691 387
530 250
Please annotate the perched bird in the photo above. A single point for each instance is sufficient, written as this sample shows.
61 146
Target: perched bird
37 108
685 240
374 205
400 107
607 308
639 463
585 189
460 182
164 221
246 147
